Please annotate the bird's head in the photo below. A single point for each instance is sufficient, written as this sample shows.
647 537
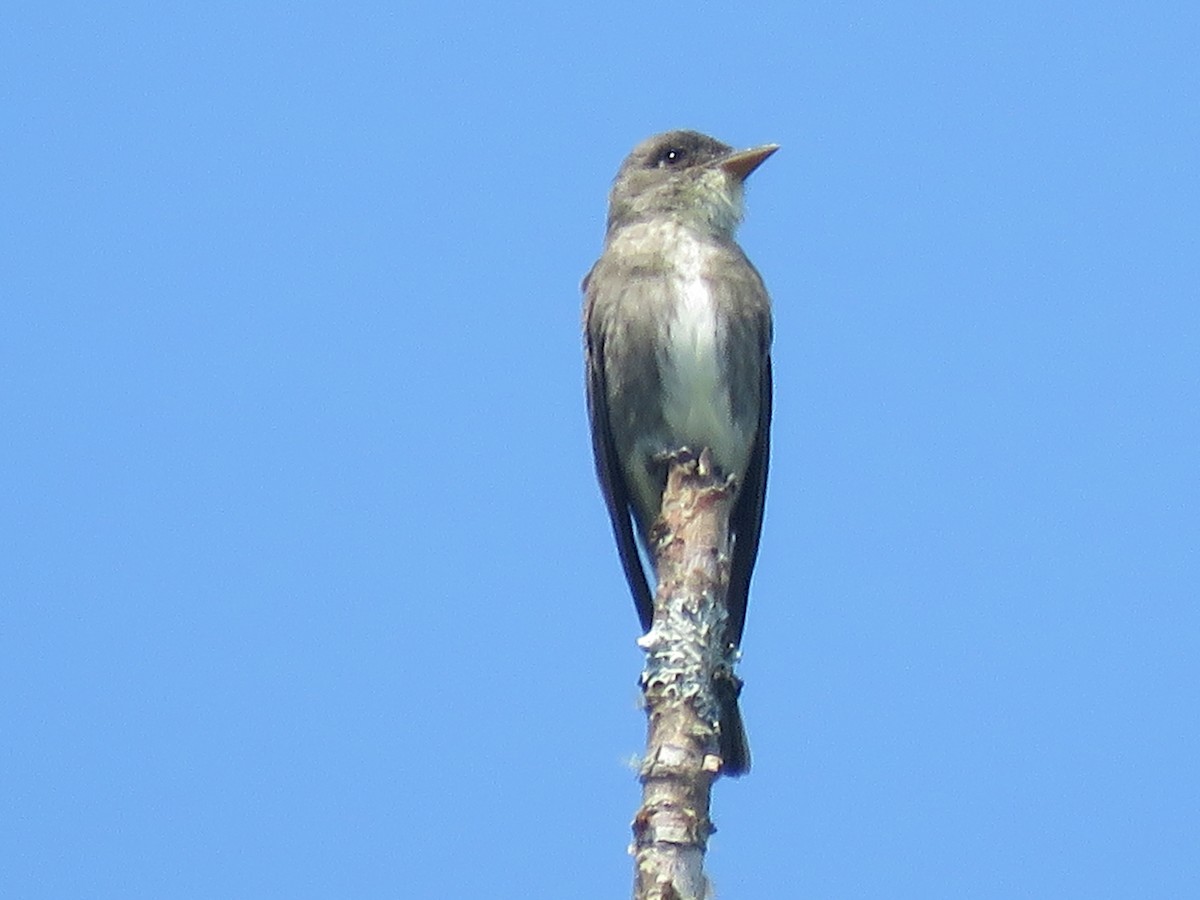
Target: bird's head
687 176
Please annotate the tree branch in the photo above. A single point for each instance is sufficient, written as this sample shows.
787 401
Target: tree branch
686 652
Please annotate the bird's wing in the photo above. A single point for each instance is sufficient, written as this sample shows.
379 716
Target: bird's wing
752 361
747 517
608 468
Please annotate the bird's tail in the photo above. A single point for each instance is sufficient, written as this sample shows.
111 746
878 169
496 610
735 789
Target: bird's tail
735 748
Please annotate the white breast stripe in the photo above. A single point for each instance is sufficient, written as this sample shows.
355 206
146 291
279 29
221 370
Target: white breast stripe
696 409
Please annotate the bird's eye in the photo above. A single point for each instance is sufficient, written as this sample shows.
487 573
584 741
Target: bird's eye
672 156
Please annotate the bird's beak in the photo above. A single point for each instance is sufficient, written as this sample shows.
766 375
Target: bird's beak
741 163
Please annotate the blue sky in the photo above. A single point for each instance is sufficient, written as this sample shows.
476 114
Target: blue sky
307 588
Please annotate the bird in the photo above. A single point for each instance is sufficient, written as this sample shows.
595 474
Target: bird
677 333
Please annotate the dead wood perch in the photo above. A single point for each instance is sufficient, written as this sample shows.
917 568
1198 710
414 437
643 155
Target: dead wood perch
689 662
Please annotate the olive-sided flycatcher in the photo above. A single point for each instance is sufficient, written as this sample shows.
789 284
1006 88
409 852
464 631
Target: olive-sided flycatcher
678 334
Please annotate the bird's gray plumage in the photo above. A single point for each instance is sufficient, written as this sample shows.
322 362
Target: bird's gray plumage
678 334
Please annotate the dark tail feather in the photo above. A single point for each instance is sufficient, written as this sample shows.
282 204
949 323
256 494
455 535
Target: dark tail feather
735 749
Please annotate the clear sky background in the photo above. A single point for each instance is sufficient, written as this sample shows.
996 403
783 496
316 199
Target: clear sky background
306 587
